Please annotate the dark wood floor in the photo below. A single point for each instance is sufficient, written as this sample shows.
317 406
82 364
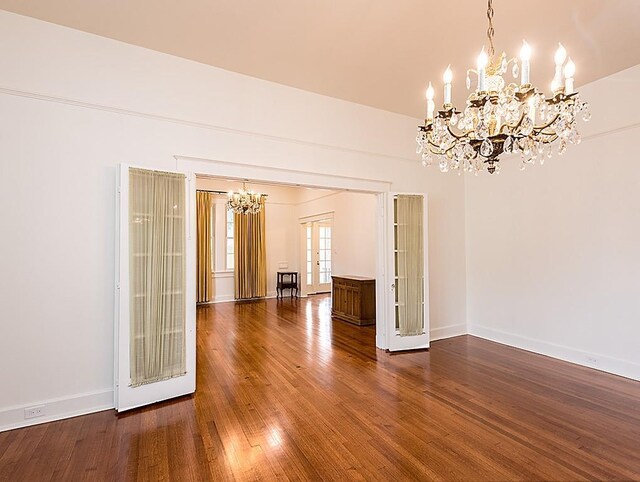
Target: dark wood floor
284 392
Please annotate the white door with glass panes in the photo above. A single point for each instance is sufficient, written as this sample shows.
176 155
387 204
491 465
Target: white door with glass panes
155 326
318 256
408 290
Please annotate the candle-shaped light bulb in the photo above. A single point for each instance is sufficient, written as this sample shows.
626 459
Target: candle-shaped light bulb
447 77
525 56
430 105
569 72
559 58
561 55
430 92
482 70
570 69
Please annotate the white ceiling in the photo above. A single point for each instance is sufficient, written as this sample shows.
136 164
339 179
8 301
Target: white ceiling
374 52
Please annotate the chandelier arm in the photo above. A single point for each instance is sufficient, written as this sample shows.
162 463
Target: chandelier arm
454 134
548 124
553 136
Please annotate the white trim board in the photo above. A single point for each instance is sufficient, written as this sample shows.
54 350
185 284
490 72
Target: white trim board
201 125
278 175
57 409
591 360
448 331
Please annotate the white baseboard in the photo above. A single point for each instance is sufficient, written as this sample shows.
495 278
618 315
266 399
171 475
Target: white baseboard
229 298
57 409
592 360
447 332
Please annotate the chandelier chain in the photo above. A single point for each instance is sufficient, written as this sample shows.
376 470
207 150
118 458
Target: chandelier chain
490 30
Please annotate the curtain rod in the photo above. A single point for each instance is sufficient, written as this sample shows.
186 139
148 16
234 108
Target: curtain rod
222 192
213 192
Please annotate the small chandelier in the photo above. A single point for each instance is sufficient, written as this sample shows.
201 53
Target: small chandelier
502 118
245 202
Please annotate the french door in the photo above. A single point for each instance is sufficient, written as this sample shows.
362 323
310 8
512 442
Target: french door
408 290
155 329
318 256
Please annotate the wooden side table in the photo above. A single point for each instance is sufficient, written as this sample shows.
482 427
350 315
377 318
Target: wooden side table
287 280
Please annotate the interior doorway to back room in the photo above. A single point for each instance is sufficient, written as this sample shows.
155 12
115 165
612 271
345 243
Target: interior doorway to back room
318 259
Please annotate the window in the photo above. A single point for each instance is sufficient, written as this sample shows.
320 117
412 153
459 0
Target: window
230 249
325 254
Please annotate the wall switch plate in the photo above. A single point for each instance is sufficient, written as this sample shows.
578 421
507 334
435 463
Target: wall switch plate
37 411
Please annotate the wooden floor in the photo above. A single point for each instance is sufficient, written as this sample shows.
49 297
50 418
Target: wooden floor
284 392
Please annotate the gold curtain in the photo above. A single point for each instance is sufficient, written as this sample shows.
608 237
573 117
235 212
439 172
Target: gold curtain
410 268
157 269
250 255
204 204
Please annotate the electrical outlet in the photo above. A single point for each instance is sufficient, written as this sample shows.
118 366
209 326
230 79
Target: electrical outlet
37 411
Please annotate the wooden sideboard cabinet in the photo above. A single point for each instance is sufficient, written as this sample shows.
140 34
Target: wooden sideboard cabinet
353 299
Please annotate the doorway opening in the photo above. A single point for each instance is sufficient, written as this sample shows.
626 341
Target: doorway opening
381 189
317 255
312 232
344 245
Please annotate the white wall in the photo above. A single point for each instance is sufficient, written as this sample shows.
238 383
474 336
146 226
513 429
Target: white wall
75 105
354 230
552 252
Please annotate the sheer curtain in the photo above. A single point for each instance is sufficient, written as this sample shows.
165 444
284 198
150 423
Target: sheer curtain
157 275
410 260
204 204
250 272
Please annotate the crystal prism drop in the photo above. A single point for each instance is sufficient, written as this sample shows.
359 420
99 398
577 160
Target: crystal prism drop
482 130
486 148
562 148
424 163
515 71
468 151
577 138
508 145
454 119
586 115
486 110
527 126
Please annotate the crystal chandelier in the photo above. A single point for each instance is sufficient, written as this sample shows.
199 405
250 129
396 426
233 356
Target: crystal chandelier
245 202
502 118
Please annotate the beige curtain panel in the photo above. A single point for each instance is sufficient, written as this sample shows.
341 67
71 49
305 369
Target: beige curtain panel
250 272
204 205
410 269
157 275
